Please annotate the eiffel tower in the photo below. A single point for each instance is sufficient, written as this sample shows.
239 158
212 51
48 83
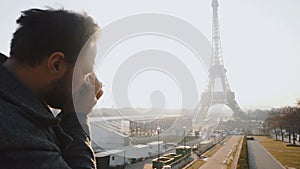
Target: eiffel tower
217 90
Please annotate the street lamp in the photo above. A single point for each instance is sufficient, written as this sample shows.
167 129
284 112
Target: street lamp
124 158
184 135
158 164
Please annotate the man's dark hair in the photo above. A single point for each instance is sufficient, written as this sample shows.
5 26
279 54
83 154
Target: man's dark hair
44 31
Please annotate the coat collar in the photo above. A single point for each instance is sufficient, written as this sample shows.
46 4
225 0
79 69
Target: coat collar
12 90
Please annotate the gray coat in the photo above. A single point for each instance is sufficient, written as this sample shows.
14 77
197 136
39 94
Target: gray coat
31 137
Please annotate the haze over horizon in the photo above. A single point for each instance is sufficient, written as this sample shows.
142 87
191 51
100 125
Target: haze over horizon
260 44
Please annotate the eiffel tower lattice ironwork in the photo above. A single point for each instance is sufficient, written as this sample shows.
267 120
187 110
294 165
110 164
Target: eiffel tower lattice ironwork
217 90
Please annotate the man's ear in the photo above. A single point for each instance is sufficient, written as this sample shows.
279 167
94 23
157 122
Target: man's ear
56 64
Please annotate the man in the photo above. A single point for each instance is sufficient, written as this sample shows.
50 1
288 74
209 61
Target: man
2 58
38 75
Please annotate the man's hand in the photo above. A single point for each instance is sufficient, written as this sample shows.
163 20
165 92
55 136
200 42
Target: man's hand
85 98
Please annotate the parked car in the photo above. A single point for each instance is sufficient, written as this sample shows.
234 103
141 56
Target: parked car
250 138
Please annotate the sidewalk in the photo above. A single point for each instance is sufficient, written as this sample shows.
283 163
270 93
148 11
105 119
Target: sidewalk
288 156
260 158
222 156
237 155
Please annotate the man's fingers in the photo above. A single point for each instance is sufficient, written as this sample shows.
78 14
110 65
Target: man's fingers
99 94
94 103
88 94
95 85
98 87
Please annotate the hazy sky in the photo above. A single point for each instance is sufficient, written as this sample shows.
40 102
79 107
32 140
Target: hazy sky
260 43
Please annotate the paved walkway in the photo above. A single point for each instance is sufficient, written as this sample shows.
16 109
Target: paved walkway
237 155
219 159
260 158
147 164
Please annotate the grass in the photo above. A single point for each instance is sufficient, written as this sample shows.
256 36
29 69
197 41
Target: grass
243 159
174 139
287 155
188 139
145 140
196 164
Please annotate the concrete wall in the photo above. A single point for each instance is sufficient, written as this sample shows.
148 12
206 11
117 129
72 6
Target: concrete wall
107 138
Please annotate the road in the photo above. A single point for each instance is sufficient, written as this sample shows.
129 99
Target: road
215 162
218 160
260 158
147 164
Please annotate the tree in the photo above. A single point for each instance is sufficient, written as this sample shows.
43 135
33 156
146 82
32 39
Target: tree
285 118
272 124
276 120
292 121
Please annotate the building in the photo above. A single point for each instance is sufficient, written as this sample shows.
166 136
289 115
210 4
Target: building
156 147
108 135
